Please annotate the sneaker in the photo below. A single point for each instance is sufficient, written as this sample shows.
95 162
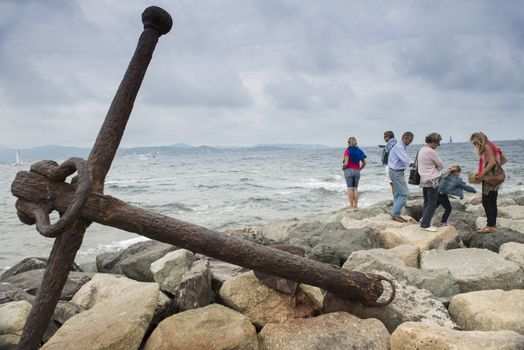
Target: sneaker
398 218
429 228
443 224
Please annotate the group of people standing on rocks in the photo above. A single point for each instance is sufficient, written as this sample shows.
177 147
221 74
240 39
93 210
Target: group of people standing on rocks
437 185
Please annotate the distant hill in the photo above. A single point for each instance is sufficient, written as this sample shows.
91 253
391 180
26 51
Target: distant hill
60 153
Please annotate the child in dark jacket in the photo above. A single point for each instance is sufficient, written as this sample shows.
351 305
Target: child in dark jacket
451 184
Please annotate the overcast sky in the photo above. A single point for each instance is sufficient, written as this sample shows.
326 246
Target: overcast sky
264 71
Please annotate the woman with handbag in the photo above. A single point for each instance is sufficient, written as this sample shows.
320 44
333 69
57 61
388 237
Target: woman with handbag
491 174
429 166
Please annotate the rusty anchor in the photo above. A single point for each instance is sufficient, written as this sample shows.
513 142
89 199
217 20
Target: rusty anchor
43 189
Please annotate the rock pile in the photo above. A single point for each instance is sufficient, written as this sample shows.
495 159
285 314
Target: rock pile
456 288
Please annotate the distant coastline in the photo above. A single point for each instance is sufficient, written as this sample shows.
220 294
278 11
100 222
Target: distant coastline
57 152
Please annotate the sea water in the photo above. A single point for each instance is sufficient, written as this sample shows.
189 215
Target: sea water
230 189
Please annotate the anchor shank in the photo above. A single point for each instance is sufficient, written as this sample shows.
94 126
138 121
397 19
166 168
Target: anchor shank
112 130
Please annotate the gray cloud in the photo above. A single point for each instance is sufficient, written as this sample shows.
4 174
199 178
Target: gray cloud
246 71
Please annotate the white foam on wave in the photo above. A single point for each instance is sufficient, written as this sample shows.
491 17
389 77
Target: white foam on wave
316 184
114 246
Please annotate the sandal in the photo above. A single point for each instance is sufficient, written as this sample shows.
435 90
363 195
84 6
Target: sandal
487 229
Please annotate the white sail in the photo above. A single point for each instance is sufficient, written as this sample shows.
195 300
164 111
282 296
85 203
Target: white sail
18 158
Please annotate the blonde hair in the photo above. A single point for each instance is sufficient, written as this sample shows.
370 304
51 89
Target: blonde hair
352 141
453 169
479 140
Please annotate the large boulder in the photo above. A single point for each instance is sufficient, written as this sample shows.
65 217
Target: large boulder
493 241
12 321
169 270
30 281
475 269
134 261
337 330
424 336
104 287
246 294
211 327
445 237
439 282
332 235
410 304
489 310
117 323
513 252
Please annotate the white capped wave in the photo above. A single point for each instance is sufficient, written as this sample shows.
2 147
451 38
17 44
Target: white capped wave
112 247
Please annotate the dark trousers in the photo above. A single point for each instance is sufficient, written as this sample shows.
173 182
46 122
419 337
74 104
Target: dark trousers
443 200
430 204
489 202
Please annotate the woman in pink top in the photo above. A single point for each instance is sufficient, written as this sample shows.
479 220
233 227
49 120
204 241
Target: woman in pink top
354 162
429 166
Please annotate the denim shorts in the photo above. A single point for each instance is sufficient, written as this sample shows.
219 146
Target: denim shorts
352 177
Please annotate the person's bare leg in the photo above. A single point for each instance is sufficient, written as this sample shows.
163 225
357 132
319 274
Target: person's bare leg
352 198
355 198
349 198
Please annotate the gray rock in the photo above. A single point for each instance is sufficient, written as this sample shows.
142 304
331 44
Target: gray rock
194 290
410 304
423 336
10 292
331 234
324 253
65 310
30 281
493 241
439 282
169 270
465 224
137 266
222 271
337 330
513 252
475 269
29 264
110 262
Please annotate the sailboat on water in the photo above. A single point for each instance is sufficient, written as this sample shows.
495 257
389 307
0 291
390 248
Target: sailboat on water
450 140
18 161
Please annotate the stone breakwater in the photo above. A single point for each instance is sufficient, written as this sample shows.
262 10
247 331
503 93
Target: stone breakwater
456 289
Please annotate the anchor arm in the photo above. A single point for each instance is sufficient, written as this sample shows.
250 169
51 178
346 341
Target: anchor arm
111 211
